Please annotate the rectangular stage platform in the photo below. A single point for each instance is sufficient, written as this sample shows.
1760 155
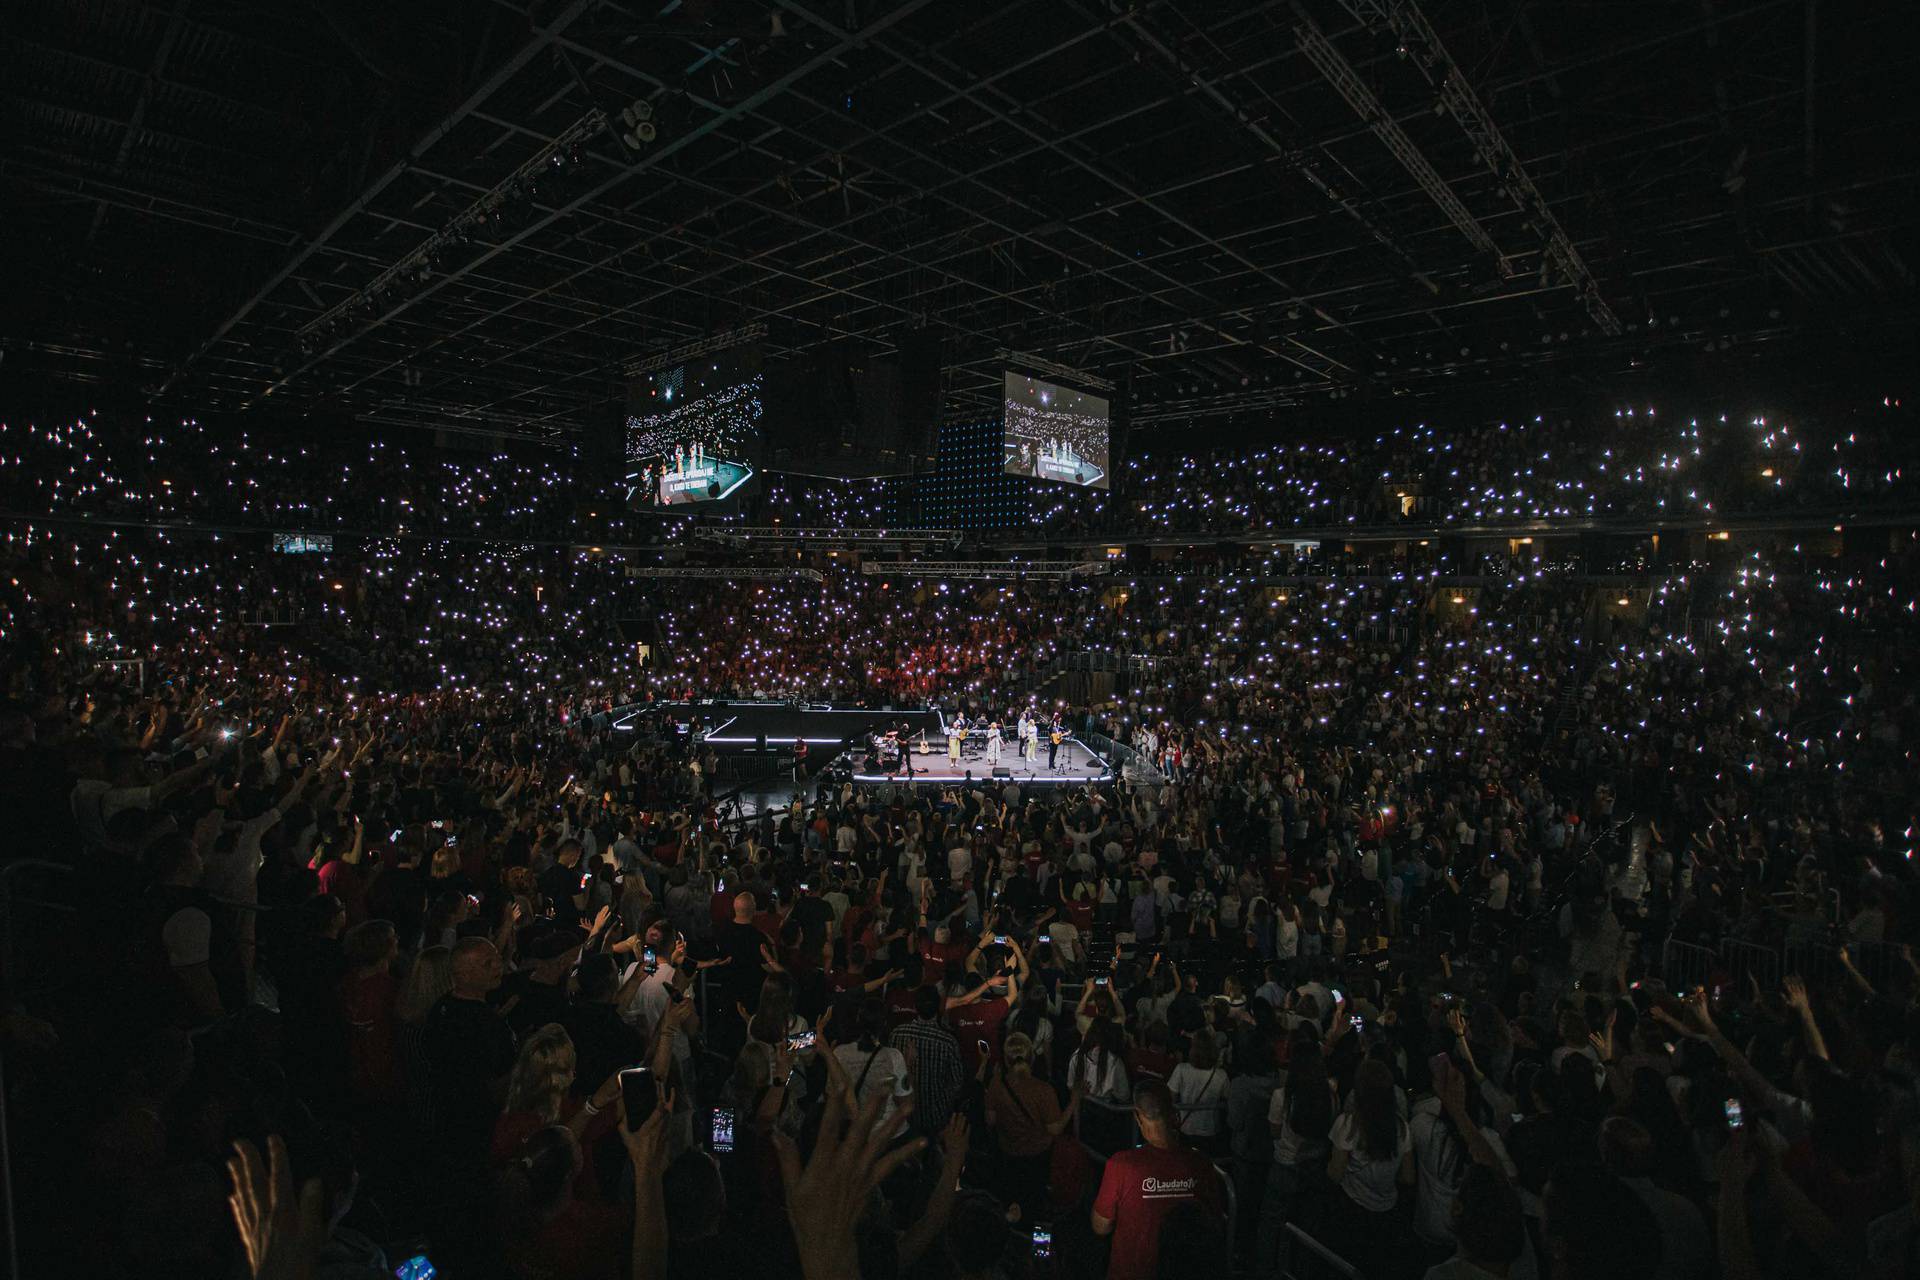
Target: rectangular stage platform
1075 763
843 735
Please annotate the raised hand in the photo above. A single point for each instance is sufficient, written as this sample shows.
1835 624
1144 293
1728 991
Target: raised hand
954 1141
281 1234
826 1196
647 1146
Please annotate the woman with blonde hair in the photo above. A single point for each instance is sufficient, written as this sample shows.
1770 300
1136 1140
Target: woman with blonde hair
538 1095
765 1091
542 1073
445 864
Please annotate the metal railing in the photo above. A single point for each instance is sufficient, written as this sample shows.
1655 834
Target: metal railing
1685 965
1749 960
1308 1259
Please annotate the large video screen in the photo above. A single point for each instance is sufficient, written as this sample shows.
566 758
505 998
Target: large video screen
694 431
1054 433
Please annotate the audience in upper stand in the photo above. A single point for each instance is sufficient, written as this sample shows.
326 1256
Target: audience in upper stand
1635 463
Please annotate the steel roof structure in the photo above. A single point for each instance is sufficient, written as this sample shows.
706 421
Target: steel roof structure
473 214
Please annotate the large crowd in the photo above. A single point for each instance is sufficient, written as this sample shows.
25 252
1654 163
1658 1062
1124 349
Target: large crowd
1634 463
1462 932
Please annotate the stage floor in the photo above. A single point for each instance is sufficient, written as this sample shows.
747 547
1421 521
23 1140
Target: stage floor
1077 764
742 726
1074 763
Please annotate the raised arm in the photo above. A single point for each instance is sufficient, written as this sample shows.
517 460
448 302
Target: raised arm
1750 1079
1803 1010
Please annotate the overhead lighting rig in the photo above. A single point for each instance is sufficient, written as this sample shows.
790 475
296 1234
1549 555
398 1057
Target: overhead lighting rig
485 218
1341 75
1054 369
1420 45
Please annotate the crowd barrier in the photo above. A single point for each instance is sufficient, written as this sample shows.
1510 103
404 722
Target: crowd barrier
1816 960
1749 962
1308 1259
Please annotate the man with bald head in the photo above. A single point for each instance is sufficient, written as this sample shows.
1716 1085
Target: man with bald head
1142 1189
740 972
467 1050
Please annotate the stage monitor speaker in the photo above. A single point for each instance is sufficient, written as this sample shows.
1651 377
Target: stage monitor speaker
1001 771
759 742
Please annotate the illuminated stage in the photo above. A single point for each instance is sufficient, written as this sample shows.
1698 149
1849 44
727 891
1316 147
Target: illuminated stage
845 735
1077 763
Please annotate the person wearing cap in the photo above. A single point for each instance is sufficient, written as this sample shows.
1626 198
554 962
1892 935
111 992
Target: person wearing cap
1025 1113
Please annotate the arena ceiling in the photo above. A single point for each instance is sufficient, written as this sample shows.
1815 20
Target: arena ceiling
440 213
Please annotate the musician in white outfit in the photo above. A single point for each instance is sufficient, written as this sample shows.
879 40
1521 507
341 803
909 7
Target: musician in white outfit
1026 736
993 744
956 734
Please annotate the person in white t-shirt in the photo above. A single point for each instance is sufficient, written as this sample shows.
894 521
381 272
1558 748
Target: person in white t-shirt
1199 1089
1444 1150
1065 936
1372 1159
1498 884
873 1067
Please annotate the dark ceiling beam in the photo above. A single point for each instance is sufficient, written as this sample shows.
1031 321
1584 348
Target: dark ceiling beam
831 230
150 203
1477 300
825 152
1005 69
812 229
505 73
155 71
652 159
255 115
1291 152
1295 352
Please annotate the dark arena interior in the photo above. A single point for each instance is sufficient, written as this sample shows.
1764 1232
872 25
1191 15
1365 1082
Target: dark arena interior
851 639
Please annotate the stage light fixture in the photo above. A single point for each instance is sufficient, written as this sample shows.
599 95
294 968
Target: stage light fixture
640 129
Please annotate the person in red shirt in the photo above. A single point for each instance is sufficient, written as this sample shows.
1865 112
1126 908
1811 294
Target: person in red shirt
369 991
978 1015
946 954
1142 1189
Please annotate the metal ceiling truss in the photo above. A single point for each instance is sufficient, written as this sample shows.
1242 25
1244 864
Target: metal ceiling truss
1221 209
1341 75
1421 47
721 341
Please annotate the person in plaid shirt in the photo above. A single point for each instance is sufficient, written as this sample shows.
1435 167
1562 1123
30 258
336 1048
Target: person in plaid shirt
933 1061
